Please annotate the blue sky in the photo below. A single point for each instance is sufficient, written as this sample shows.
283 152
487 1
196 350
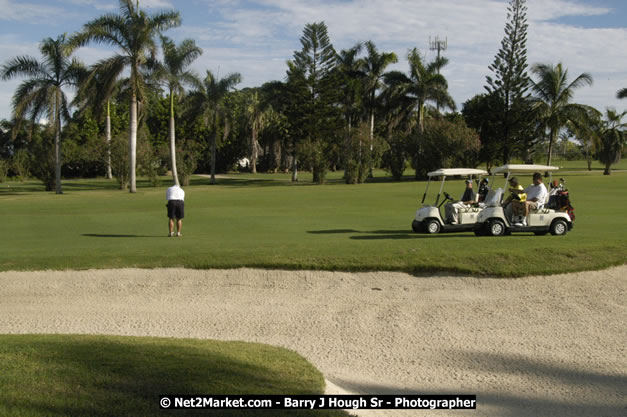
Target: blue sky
256 37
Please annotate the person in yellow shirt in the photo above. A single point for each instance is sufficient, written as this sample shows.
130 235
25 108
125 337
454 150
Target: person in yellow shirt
511 206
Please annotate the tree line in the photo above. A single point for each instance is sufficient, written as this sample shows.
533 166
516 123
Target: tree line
134 112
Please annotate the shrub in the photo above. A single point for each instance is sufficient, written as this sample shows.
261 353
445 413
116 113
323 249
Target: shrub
4 169
359 157
395 159
188 154
21 162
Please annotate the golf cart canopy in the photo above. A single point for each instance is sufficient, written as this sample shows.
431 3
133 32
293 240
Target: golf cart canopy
447 172
524 168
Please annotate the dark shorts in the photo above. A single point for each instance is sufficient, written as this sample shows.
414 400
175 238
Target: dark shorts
176 209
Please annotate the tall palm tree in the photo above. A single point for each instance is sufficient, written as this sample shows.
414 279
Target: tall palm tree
41 95
97 92
552 99
208 102
424 83
257 120
174 72
373 66
133 32
612 139
349 72
622 93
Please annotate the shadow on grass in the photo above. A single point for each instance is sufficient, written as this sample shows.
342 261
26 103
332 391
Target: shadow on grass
125 376
388 234
507 402
112 235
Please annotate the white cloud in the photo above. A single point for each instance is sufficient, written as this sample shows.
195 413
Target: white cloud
98 5
257 39
27 12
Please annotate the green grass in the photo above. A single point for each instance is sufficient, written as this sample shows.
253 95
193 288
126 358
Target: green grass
266 221
97 376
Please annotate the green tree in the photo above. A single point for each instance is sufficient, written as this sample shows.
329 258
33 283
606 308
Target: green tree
96 93
612 139
257 119
511 82
174 73
42 95
622 93
133 32
373 66
314 93
424 83
552 101
208 103
447 144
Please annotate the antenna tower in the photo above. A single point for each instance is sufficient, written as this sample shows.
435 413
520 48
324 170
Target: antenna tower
436 44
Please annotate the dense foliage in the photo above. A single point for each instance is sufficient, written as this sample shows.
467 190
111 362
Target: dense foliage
333 111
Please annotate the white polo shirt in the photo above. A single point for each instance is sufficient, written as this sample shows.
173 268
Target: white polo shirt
175 193
537 191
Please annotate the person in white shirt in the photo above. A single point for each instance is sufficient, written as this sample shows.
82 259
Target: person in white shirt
536 195
175 197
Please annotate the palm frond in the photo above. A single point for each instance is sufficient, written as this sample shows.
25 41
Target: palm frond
23 66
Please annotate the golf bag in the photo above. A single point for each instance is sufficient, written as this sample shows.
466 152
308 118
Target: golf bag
560 201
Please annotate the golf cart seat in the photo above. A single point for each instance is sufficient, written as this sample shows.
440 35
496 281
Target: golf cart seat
493 199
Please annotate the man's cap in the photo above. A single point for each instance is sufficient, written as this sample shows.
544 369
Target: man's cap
485 180
513 179
468 181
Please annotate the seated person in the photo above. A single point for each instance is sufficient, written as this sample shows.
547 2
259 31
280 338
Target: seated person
536 196
516 195
483 190
467 200
556 189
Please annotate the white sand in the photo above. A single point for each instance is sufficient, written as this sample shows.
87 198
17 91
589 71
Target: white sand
536 346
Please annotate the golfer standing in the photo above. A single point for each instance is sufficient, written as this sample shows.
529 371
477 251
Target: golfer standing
176 208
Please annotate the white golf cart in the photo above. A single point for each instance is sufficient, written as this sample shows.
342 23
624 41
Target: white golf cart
493 221
429 219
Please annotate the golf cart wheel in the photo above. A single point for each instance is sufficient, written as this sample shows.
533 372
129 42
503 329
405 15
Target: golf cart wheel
559 228
416 226
433 227
496 228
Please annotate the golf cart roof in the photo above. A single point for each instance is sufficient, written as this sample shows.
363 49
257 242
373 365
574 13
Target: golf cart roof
524 168
456 171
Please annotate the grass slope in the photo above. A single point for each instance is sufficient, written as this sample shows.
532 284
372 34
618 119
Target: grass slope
266 221
97 376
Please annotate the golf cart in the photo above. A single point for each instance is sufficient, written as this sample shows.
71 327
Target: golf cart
429 219
492 221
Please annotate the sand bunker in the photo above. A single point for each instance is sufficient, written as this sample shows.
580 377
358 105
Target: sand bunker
526 347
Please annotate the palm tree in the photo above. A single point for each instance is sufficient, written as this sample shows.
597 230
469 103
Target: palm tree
612 139
373 66
174 73
257 120
622 93
208 102
133 32
97 92
41 95
424 83
349 72
552 101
